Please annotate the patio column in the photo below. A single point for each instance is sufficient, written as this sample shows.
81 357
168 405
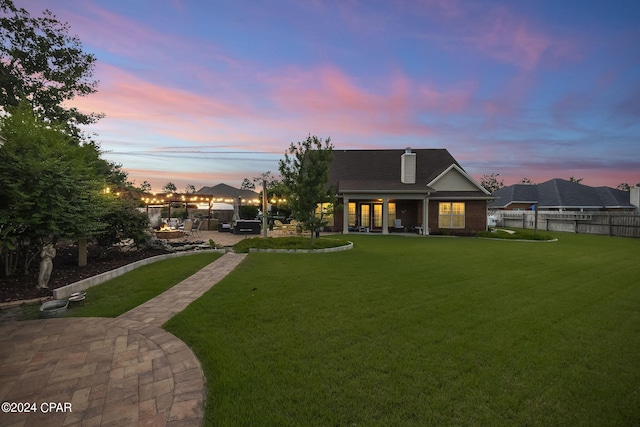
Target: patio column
385 215
345 215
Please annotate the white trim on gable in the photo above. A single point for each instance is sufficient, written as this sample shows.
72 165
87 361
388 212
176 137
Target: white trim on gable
455 167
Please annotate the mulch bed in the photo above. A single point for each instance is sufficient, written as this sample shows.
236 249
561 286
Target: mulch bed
66 271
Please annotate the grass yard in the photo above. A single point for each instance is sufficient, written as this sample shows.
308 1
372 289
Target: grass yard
425 331
121 294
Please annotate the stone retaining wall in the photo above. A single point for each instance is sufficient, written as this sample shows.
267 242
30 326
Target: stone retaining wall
304 251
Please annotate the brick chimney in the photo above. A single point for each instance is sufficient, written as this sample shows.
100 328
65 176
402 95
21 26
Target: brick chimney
408 167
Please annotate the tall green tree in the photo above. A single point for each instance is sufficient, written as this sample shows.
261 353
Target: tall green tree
42 63
49 187
305 175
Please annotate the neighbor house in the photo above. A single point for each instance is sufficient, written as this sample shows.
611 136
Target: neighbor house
561 195
423 190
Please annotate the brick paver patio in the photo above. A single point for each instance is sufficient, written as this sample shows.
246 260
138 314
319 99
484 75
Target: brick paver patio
107 372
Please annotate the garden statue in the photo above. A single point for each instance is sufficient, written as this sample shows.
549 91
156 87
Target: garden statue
46 265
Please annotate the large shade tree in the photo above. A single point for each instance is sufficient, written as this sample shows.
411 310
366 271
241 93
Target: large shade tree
42 63
49 187
305 175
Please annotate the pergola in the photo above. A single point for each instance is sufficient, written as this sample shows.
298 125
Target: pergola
186 199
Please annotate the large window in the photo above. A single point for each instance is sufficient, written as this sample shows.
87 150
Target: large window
392 213
451 215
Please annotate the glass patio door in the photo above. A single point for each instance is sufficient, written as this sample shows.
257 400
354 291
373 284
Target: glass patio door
365 216
371 215
377 215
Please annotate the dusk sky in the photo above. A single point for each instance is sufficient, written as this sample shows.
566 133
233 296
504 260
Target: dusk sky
209 92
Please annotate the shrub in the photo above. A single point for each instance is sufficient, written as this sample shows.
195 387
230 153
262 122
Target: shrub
518 234
122 221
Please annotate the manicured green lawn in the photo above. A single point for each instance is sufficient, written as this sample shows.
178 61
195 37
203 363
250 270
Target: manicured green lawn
121 294
425 331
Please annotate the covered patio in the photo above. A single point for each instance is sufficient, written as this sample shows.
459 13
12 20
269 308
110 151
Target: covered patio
384 213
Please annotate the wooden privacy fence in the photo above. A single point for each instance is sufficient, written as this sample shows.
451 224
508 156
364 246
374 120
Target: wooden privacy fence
624 224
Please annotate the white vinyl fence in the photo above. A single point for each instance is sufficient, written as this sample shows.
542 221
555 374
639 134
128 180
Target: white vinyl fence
625 224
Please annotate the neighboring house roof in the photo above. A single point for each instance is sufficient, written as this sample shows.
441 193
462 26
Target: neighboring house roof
561 194
224 191
379 171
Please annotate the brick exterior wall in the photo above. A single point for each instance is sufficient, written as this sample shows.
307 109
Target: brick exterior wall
475 217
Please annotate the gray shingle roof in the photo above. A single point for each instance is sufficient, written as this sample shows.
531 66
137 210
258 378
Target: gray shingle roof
560 193
360 170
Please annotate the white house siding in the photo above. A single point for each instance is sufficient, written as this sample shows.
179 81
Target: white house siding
454 181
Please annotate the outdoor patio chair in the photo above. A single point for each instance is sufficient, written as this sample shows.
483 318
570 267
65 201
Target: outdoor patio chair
296 227
196 227
397 224
188 226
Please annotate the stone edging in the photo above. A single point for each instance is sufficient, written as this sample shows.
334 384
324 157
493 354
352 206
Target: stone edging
81 285
304 251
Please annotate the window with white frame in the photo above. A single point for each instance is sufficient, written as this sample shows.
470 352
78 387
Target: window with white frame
451 215
392 213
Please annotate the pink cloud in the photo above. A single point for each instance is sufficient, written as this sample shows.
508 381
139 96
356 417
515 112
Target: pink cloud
328 95
124 96
449 102
496 32
510 39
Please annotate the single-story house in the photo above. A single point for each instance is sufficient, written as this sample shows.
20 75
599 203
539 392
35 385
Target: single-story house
422 190
561 195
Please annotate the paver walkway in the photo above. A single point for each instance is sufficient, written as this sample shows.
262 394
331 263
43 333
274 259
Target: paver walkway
107 372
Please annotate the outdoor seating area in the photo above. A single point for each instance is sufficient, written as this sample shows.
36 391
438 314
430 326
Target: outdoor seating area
174 228
291 228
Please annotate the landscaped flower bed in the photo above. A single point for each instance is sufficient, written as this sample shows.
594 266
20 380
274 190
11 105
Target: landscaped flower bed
514 234
291 242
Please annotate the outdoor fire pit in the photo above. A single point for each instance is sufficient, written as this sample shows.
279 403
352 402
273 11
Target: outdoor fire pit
165 232
169 234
